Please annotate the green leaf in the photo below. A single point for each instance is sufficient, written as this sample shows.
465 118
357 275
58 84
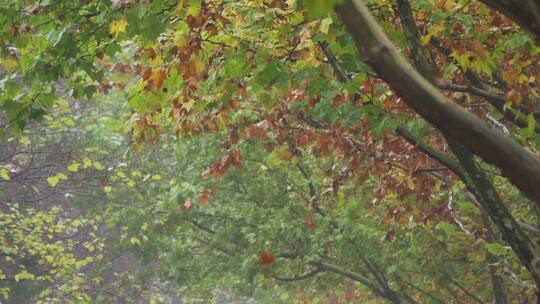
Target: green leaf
386 124
270 74
151 28
391 269
531 124
496 249
447 228
319 8
417 126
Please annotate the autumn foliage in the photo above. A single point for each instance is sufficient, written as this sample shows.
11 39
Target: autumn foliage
383 150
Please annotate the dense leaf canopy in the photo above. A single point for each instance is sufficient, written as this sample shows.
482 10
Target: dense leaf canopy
281 151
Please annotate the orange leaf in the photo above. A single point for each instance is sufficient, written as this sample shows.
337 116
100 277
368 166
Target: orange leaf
186 206
202 198
513 97
205 195
267 258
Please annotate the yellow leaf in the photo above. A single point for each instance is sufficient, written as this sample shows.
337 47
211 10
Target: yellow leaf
53 180
4 174
9 64
87 162
134 241
98 165
74 167
410 183
107 189
68 121
513 97
193 8
180 6
24 140
425 39
117 27
325 25
24 275
188 105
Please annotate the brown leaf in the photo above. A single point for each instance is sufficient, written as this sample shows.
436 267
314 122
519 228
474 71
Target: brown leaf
303 139
254 131
308 221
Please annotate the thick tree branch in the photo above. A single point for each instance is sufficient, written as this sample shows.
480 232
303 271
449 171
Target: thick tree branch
475 178
516 163
526 13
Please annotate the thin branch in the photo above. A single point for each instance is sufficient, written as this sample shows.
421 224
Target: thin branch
306 275
472 296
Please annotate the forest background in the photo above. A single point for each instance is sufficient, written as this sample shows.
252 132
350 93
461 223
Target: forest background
269 151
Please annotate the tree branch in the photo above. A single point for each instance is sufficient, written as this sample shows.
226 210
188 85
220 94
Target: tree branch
475 178
526 13
306 275
516 163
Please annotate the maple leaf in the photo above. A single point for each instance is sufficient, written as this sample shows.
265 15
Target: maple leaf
267 258
117 27
154 79
254 131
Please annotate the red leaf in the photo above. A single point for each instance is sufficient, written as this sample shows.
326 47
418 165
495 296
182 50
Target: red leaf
267 258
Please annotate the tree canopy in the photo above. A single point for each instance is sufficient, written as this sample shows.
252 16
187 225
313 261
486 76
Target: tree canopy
280 151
